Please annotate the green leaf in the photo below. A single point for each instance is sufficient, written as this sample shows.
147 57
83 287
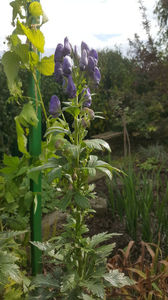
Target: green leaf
65 201
35 9
106 171
46 65
9 197
22 51
95 288
35 36
118 279
10 61
21 138
87 297
92 161
81 201
28 116
73 110
55 130
56 173
105 251
11 161
97 144
101 237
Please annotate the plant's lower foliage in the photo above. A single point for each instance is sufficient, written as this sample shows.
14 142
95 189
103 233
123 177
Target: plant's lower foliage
10 274
79 264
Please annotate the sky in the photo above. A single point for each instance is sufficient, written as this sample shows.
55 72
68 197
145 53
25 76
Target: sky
100 23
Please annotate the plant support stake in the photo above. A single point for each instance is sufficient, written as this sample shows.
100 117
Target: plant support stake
35 150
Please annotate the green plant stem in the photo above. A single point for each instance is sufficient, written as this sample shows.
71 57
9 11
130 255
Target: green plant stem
39 92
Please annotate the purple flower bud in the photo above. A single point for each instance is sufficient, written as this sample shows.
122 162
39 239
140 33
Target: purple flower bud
84 46
58 72
96 75
67 47
71 89
93 53
76 54
67 65
87 97
54 106
83 60
58 53
91 64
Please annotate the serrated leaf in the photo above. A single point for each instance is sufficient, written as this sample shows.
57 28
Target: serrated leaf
45 281
105 251
46 65
81 201
118 279
35 9
101 237
95 288
97 144
106 171
35 36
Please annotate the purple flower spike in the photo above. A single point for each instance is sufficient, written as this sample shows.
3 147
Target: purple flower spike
87 97
84 46
67 65
55 106
71 89
83 60
58 72
91 64
96 75
93 53
59 53
67 47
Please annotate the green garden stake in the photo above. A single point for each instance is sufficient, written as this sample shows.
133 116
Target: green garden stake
35 150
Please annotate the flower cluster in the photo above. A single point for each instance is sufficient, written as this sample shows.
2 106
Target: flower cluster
64 64
89 61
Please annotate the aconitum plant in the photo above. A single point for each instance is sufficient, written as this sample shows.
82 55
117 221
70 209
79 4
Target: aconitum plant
83 274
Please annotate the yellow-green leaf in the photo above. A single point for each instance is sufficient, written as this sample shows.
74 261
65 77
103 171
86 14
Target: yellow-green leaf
33 58
46 65
35 36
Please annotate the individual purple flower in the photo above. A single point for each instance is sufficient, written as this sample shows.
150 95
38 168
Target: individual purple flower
58 72
54 106
71 88
67 47
59 53
83 60
91 64
93 53
67 65
96 75
84 46
87 97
